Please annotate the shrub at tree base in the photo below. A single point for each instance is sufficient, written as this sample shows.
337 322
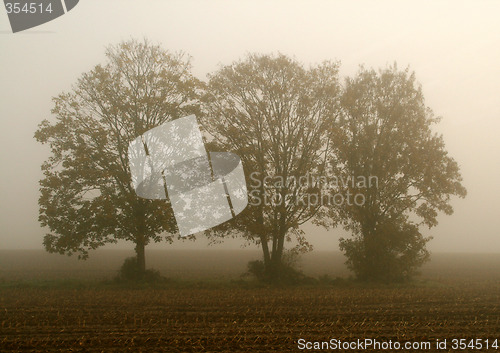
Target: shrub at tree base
278 274
131 271
392 252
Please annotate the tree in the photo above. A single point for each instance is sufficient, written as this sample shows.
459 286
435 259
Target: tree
385 132
87 198
274 114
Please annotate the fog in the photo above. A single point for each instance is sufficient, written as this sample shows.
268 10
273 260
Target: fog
453 47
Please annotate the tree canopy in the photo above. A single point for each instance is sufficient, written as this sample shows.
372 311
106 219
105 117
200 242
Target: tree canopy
385 132
275 114
286 122
87 199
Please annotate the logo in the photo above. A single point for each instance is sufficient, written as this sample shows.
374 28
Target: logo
24 14
204 189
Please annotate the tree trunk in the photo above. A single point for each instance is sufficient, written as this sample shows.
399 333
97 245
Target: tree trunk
141 255
278 249
274 267
265 250
263 236
140 239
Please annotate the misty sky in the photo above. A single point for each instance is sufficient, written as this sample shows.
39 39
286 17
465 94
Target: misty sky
454 48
